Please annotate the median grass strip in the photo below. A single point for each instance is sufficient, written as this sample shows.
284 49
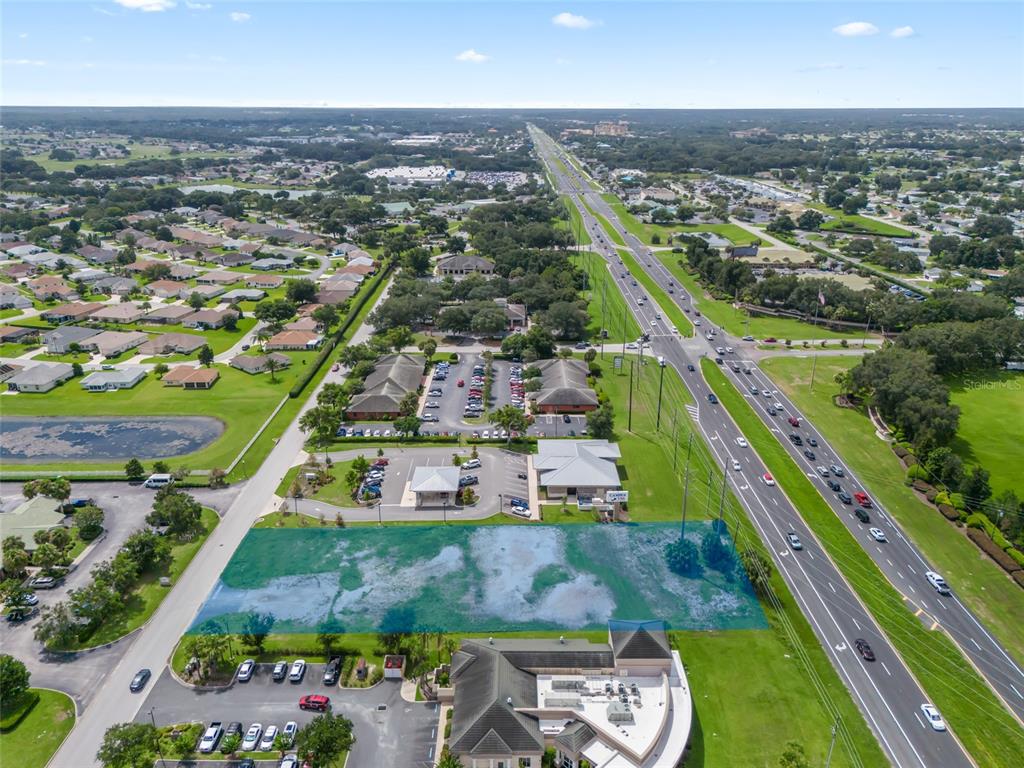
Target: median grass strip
657 294
37 736
980 583
575 223
984 727
605 305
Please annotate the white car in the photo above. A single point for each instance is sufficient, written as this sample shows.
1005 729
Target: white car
269 735
376 433
631 345
252 737
937 582
245 670
933 718
741 442
768 479
778 406
728 350
736 465
298 671
290 729
877 534
486 434
471 464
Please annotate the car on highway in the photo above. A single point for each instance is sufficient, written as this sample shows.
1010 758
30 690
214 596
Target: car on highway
809 454
139 681
794 541
689 367
298 671
741 442
768 479
315 703
770 411
728 350
821 471
937 582
862 515
832 484
812 442
877 534
845 497
719 360
770 340
795 438
836 470
933 718
252 737
460 383
864 649
793 420
862 498
755 391
267 743
432 404
245 670
712 398
736 465
748 338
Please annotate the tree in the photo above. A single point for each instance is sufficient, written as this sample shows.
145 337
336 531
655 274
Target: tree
429 347
975 487
147 549
716 553
14 677
230 744
161 467
601 422
410 424
448 760
206 355
13 592
326 315
511 419
89 521
758 569
274 310
129 745
134 469
16 557
53 487
47 556
566 320
256 628
180 512
781 223
407 405
196 301
794 756
810 220
301 291
682 557
324 739
57 626
321 422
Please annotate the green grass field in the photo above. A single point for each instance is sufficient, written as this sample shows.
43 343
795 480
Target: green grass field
605 301
858 224
146 596
980 583
32 742
736 235
137 152
985 435
985 728
575 223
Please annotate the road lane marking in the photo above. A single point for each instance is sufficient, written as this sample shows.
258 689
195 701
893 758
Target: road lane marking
919 720
886 669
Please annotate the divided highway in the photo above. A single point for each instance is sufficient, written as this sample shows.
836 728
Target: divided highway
885 691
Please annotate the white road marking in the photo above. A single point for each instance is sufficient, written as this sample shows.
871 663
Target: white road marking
1016 691
886 669
912 569
975 643
919 720
832 587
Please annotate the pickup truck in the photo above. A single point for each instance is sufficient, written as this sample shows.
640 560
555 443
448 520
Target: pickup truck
211 737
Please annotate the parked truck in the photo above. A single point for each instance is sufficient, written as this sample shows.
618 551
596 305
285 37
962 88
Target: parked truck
211 737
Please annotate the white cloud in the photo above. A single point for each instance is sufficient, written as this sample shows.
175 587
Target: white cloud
239 17
198 6
24 63
147 6
472 56
23 36
907 31
102 11
573 21
856 29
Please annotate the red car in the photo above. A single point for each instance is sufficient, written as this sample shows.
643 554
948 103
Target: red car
794 421
770 340
862 498
315 702
460 383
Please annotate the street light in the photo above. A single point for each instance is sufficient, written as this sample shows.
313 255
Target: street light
444 506
380 520
661 384
152 719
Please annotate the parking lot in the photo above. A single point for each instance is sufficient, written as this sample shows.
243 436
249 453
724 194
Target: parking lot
389 730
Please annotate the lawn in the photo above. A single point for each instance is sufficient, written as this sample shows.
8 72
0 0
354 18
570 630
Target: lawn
657 294
605 303
147 595
980 583
137 152
984 436
335 492
736 235
739 322
857 224
575 223
988 732
33 741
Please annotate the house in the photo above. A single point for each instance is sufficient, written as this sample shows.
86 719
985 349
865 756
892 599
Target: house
742 251
434 486
514 313
207 292
108 381
264 281
48 287
260 363
7 370
11 298
164 289
235 259
182 272
342 280
16 334
585 469
301 340
188 377
243 294
564 387
72 312
304 324
335 296
216 277
113 343
172 344
123 313
208 319
40 378
265 265
933 273
21 251
462 264
361 259
40 513
87 275
625 703
18 271
55 261
141 265
115 286
393 377
170 314
358 269
59 340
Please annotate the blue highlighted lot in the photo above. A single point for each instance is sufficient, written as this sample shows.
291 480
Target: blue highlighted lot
464 578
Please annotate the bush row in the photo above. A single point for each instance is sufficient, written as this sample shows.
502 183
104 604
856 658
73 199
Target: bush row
991 549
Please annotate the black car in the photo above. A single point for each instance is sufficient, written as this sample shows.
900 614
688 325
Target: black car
712 398
771 411
567 419
812 442
280 671
689 367
719 360
834 486
233 729
809 454
864 649
139 681
247 763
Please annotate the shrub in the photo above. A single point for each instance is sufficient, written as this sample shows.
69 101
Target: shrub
990 548
1017 555
949 512
957 500
941 498
916 472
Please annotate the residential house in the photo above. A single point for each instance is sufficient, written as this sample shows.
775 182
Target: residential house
108 381
141 265
72 312
393 377
49 287
182 272
260 363
188 377
266 282
59 340
7 370
172 344
207 292
21 251
164 289
17 334
460 265
18 271
87 275
564 387
242 294
584 469
123 313
266 265
357 269
208 319
234 259
114 343
11 298
55 261
335 296
40 513
115 286
300 340
217 277
40 378
170 314
305 324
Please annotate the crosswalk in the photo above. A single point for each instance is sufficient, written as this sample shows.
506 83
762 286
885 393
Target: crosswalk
694 411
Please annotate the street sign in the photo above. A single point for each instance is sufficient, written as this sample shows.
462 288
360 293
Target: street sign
617 362
616 496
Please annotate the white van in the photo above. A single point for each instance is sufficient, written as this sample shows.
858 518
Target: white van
158 481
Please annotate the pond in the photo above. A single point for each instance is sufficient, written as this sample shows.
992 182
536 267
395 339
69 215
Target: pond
40 440
227 189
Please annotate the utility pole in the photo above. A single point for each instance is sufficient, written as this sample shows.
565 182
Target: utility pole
814 357
686 485
711 480
661 384
721 500
832 744
152 719
629 426
675 437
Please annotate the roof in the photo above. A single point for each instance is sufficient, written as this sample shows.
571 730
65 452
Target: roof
393 377
120 311
127 375
639 640
435 480
565 383
575 736
293 339
180 374
171 311
42 373
587 463
69 334
38 514
464 262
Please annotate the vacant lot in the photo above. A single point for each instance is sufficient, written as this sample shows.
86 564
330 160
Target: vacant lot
858 224
33 741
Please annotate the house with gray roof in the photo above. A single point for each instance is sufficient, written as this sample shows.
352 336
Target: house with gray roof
108 381
584 469
115 286
40 378
59 340
254 364
113 343
393 377
564 387
461 265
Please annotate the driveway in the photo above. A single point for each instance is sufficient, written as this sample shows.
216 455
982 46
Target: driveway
389 730
125 507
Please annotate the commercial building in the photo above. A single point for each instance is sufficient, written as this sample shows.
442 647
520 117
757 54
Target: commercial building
393 377
435 486
584 470
37 514
564 388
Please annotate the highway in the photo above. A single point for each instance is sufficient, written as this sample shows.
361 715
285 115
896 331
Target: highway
885 691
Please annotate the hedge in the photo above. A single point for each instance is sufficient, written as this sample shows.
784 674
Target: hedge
992 549
390 442
949 512
1017 555
941 498
916 472
957 500
922 487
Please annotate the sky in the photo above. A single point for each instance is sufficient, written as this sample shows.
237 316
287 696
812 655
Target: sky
519 55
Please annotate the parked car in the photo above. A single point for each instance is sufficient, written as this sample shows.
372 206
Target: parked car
252 737
291 728
471 464
269 735
468 480
298 671
933 718
937 582
332 670
289 761
315 702
245 670
211 737
139 681
44 582
234 729
864 649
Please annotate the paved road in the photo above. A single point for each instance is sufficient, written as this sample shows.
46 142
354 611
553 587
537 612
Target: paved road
126 507
389 730
885 691
153 646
